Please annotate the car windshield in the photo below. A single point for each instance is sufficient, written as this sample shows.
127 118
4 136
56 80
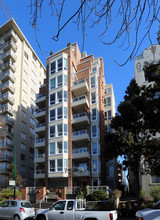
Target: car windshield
26 205
157 205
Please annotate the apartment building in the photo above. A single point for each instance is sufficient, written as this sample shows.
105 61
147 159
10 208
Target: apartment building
150 55
21 75
109 113
71 124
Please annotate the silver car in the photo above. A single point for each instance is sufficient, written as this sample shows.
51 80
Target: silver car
16 210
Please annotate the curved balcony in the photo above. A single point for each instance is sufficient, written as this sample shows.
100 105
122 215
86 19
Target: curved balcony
8 75
81 118
81 135
9 44
80 87
9 54
79 104
39 142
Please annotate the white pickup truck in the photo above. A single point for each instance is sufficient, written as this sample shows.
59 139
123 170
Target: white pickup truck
73 210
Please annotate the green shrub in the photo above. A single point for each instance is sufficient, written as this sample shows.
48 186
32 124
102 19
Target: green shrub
8 194
155 193
144 196
97 195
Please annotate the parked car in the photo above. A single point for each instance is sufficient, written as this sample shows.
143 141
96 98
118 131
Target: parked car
150 213
74 210
16 210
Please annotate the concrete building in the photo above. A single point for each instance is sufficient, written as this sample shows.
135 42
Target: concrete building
71 121
150 55
109 113
21 75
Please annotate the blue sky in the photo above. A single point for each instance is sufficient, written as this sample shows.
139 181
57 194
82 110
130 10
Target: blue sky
118 76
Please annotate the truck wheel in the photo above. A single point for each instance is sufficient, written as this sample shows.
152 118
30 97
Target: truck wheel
16 217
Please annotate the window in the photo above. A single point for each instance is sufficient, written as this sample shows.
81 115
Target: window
65 164
110 171
59 96
52 115
60 64
34 66
26 55
59 113
25 84
93 82
65 147
23 125
32 131
94 166
32 121
65 63
25 74
94 130
52 131
25 65
23 135
65 80
59 79
24 104
59 165
108 90
94 69
53 83
59 147
107 102
34 75
32 111
24 94
22 157
93 98
155 179
52 165
52 99
52 149
33 84
65 96
65 129
53 67
65 112
24 115
59 205
94 112
23 146
109 115
94 148
22 169
59 130
33 102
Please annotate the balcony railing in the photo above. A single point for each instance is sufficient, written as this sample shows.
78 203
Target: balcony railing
8 96
79 151
8 73
81 132
6 157
78 82
79 98
11 32
80 115
38 96
9 53
39 140
7 64
40 110
10 42
39 155
39 172
40 125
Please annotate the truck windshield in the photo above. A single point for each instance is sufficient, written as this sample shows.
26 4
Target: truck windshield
59 205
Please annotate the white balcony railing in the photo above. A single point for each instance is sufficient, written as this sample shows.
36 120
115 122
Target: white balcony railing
77 133
80 115
77 82
79 151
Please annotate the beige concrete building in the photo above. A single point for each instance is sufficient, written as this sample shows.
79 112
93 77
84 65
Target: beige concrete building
71 121
21 75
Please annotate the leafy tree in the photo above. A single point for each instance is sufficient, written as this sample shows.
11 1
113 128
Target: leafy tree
10 170
136 125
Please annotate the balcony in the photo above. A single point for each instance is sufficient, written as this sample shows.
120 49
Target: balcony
3 170
39 174
9 54
7 97
8 120
8 65
6 144
80 103
6 158
8 87
40 142
81 118
80 172
9 44
40 128
7 109
8 75
40 113
81 135
40 100
10 34
80 153
39 158
80 87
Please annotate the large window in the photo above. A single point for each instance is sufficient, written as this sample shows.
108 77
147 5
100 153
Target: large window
59 147
52 131
94 166
94 148
53 83
59 96
52 165
59 79
94 130
52 99
52 149
60 64
93 98
65 147
59 165
58 130
93 82
52 115
94 112
59 113
109 115
65 63
110 171
107 102
53 67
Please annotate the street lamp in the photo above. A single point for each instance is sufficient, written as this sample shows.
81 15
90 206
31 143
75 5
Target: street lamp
14 159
